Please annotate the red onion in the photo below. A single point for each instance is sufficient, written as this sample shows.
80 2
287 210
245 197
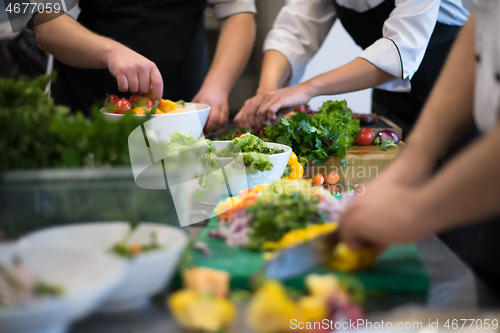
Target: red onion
388 135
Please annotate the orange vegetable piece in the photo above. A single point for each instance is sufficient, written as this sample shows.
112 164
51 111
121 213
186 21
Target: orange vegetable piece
140 110
135 248
332 178
318 179
167 105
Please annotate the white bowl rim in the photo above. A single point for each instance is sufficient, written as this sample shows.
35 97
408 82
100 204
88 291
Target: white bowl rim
143 257
52 304
205 107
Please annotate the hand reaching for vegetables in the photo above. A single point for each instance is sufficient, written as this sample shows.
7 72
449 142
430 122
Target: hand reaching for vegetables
134 72
282 101
247 115
219 112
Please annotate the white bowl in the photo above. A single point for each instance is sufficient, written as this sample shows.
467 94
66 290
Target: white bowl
87 277
237 183
192 121
147 273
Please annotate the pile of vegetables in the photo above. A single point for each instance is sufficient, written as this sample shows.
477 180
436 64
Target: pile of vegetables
385 138
38 134
266 214
206 304
317 137
141 104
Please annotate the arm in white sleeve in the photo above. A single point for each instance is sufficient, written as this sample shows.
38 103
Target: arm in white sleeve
299 30
226 8
406 34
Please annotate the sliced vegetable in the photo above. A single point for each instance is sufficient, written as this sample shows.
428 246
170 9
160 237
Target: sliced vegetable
155 106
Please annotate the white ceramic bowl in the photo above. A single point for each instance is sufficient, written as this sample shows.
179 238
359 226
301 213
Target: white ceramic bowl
87 277
250 178
147 273
192 121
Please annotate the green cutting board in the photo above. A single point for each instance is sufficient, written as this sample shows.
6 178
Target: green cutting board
398 272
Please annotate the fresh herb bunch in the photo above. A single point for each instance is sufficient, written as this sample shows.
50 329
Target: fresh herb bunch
275 217
38 134
326 133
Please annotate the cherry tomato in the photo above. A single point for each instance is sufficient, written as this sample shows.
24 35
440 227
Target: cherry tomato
238 135
134 98
297 171
110 102
332 178
293 159
365 137
147 102
122 105
318 179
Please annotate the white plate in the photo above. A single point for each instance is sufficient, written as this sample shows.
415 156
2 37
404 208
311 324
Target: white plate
87 277
147 274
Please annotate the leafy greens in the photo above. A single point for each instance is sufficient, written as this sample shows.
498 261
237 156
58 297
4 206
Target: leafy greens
327 133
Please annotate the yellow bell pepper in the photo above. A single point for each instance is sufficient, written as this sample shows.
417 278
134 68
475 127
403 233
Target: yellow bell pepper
347 260
167 105
297 171
293 159
199 311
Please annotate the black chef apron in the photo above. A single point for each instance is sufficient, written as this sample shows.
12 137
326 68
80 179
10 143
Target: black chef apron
170 33
402 108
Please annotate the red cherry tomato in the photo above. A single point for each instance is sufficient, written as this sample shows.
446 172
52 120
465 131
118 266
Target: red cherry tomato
111 100
134 98
365 137
122 105
145 102
238 135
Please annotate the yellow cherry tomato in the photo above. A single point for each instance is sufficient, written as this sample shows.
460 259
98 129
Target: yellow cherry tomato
297 171
293 159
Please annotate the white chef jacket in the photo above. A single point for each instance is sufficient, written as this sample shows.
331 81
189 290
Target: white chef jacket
302 26
226 8
487 87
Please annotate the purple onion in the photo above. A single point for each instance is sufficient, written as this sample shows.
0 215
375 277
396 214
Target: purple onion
388 135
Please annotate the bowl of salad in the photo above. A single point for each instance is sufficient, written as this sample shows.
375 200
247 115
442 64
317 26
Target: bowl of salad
264 162
169 116
44 289
150 252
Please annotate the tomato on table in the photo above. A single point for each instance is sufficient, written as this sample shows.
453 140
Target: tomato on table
318 179
332 178
365 137
122 105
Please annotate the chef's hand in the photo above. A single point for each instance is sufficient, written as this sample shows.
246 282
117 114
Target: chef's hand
134 72
219 112
384 215
246 117
282 101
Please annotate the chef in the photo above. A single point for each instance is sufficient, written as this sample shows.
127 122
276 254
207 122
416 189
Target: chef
411 200
404 46
137 46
